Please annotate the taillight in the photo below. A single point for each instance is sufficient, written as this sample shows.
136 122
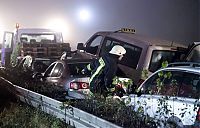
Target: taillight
79 85
84 85
74 86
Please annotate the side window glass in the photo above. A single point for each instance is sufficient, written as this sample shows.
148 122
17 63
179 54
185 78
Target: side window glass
194 54
8 40
158 57
57 71
132 56
189 85
182 84
131 52
162 83
92 47
49 70
107 46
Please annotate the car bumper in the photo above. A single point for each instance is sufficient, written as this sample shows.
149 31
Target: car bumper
78 94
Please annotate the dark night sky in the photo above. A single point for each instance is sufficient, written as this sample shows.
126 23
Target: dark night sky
168 19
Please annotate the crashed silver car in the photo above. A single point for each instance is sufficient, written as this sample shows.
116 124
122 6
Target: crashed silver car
67 75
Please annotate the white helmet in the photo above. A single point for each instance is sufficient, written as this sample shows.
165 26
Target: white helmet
118 50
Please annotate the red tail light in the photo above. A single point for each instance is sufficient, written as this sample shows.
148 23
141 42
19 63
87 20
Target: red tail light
84 85
79 85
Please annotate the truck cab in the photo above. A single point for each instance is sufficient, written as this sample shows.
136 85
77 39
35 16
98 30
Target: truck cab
143 53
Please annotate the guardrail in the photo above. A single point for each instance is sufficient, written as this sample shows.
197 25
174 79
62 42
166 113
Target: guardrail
71 115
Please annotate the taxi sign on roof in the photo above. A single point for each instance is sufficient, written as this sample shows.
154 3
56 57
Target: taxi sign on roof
127 30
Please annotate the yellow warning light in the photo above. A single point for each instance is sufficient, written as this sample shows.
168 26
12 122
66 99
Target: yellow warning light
17 25
128 30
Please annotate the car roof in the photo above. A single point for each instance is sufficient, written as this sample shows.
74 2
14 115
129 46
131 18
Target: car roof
196 43
191 69
195 70
78 60
130 37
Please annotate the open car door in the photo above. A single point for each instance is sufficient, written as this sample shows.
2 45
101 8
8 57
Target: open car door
7 48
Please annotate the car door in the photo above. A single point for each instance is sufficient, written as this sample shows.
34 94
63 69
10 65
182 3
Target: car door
173 96
7 48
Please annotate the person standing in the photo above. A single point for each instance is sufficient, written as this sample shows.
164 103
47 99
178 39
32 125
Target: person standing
104 70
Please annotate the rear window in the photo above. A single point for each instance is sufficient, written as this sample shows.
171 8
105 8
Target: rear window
159 56
76 68
33 38
132 56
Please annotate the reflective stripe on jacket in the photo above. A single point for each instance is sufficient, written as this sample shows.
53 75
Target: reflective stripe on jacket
104 69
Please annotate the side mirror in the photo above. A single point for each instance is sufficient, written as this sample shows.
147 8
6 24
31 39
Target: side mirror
80 46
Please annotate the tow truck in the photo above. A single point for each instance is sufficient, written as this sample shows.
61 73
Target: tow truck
43 45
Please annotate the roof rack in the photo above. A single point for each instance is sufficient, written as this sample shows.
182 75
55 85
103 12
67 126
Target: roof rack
127 30
184 64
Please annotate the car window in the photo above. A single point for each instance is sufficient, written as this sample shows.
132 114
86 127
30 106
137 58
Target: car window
92 46
194 55
159 56
57 71
49 70
76 68
132 56
190 85
173 83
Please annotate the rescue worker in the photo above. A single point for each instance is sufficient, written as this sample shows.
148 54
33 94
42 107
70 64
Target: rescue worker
104 70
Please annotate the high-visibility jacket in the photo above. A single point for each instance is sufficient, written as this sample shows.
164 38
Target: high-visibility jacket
103 70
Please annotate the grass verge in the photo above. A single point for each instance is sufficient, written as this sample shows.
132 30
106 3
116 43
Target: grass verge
18 115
